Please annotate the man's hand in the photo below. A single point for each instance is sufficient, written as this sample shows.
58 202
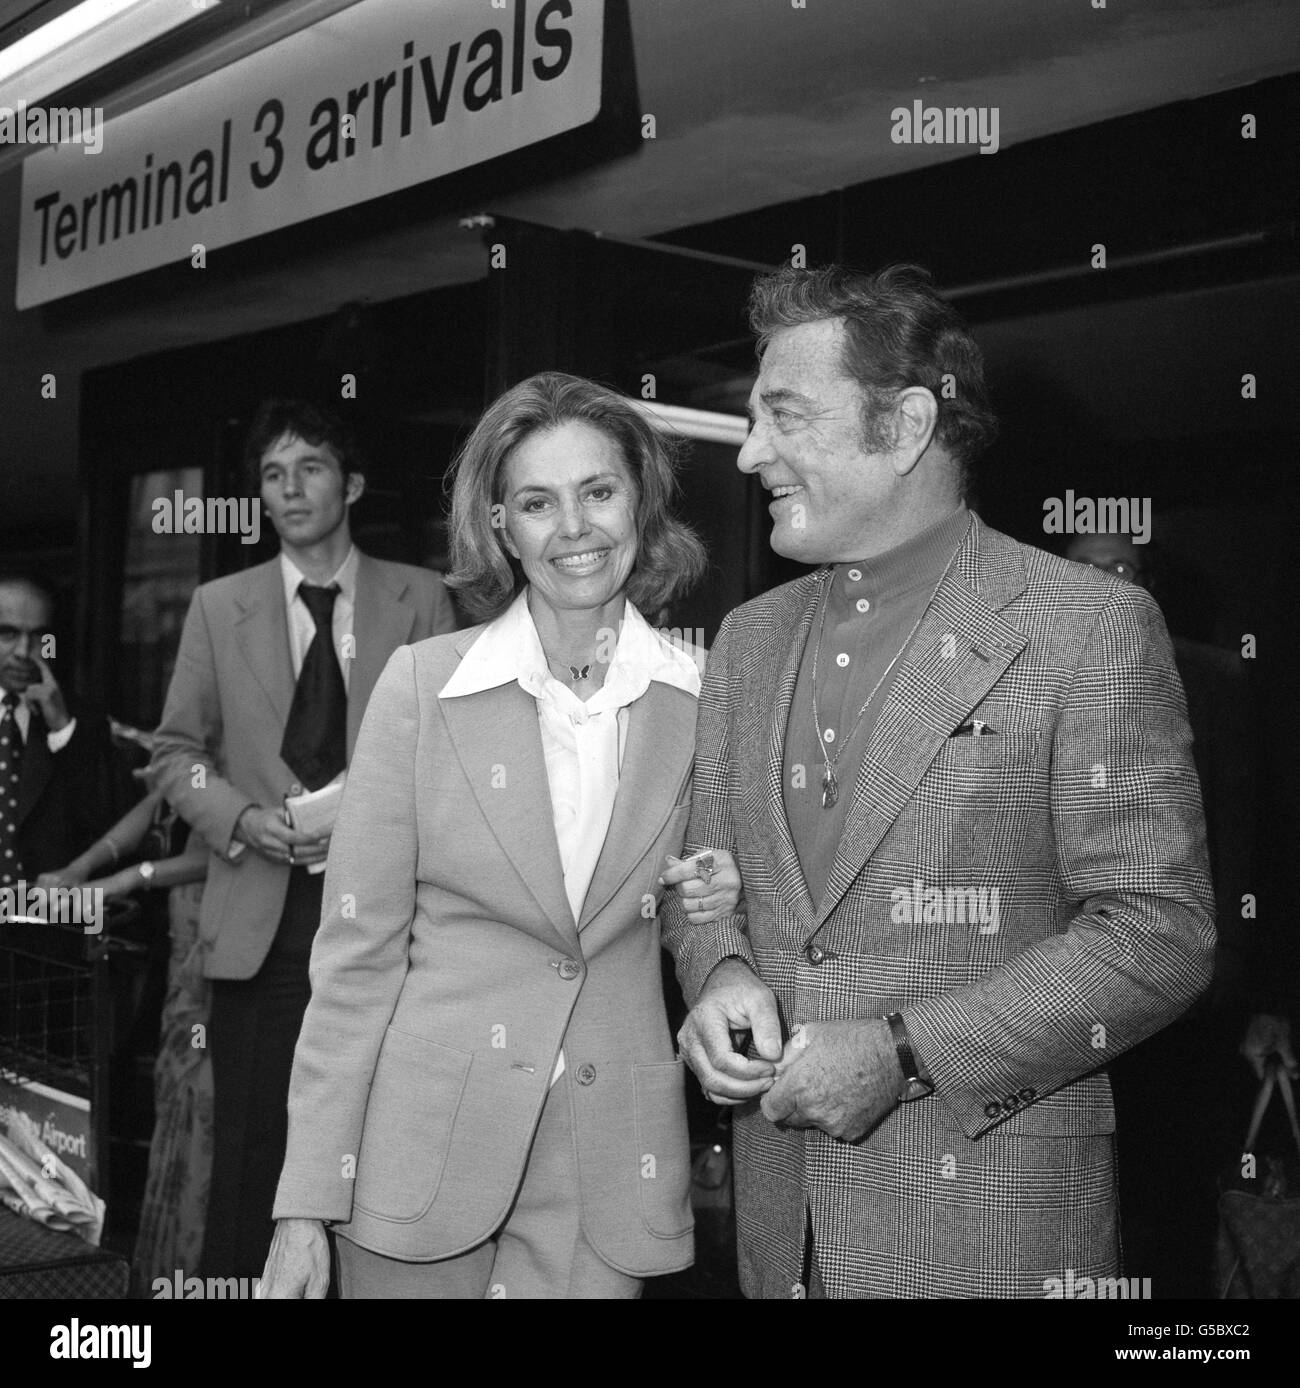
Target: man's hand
734 999
265 832
298 1265
47 696
708 884
1267 1036
841 1077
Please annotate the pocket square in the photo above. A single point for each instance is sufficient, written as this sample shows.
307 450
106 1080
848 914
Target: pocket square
975 728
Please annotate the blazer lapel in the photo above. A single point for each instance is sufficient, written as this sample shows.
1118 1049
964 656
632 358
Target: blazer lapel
768 713
382 619
961 649
37 766
499 744
653 778
262 635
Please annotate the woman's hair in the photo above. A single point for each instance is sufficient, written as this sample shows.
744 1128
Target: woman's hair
669 559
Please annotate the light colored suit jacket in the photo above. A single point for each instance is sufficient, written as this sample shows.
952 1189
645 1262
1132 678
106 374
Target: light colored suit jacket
1080 808
218 746
448 972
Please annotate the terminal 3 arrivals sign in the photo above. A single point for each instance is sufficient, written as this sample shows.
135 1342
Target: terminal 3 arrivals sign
379 97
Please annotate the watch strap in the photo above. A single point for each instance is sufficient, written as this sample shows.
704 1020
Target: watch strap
917 1084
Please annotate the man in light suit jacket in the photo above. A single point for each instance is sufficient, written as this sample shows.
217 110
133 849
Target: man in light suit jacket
958 775
272 676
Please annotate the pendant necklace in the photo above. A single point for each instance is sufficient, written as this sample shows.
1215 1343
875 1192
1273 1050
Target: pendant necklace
576 672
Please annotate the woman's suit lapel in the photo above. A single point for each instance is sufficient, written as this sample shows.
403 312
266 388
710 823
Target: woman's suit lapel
499 744
653 778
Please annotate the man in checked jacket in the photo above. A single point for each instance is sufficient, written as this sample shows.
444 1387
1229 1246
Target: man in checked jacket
957 774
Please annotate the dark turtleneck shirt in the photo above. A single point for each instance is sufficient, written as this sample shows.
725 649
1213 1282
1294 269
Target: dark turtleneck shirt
871 608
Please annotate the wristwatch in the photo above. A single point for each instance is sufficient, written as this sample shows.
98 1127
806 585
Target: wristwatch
918 1085
146 871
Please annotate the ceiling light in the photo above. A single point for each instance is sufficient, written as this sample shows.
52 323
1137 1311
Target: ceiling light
83 40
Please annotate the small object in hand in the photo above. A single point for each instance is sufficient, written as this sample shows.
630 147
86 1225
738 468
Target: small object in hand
705 866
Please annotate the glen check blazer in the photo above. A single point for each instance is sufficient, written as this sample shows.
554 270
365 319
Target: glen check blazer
1080 806
449 971
224 721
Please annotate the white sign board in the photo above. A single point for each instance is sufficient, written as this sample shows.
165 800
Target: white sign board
379 97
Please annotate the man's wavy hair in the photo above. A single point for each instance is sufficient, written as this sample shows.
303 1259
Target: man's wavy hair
670 558
898 332
313 424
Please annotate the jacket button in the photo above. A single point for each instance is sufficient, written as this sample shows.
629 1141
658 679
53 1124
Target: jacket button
570 969
585 1074
816 954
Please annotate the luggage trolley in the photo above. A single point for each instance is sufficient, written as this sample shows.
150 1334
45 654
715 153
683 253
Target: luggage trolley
56 1036
56 1026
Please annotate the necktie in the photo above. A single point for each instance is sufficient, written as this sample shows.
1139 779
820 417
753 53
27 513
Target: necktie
315 737
11 755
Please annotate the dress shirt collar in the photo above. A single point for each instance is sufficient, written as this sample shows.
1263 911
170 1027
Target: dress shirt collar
919 562
509 649
345 576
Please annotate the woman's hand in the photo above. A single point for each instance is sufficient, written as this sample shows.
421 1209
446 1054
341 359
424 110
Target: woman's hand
708 884
118 885
298 1265
71 876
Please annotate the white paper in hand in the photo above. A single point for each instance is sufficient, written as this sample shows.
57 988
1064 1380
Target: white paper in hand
315 811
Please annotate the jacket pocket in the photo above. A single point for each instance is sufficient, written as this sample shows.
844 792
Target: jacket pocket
663 1148
410 1115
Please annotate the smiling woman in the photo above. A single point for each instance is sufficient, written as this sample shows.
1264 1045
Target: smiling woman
570 521
554 419
512 786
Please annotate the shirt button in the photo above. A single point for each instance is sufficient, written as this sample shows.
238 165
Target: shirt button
829 734
816 954
863 605
855 575
295 789
586 1074
842 660
569 969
